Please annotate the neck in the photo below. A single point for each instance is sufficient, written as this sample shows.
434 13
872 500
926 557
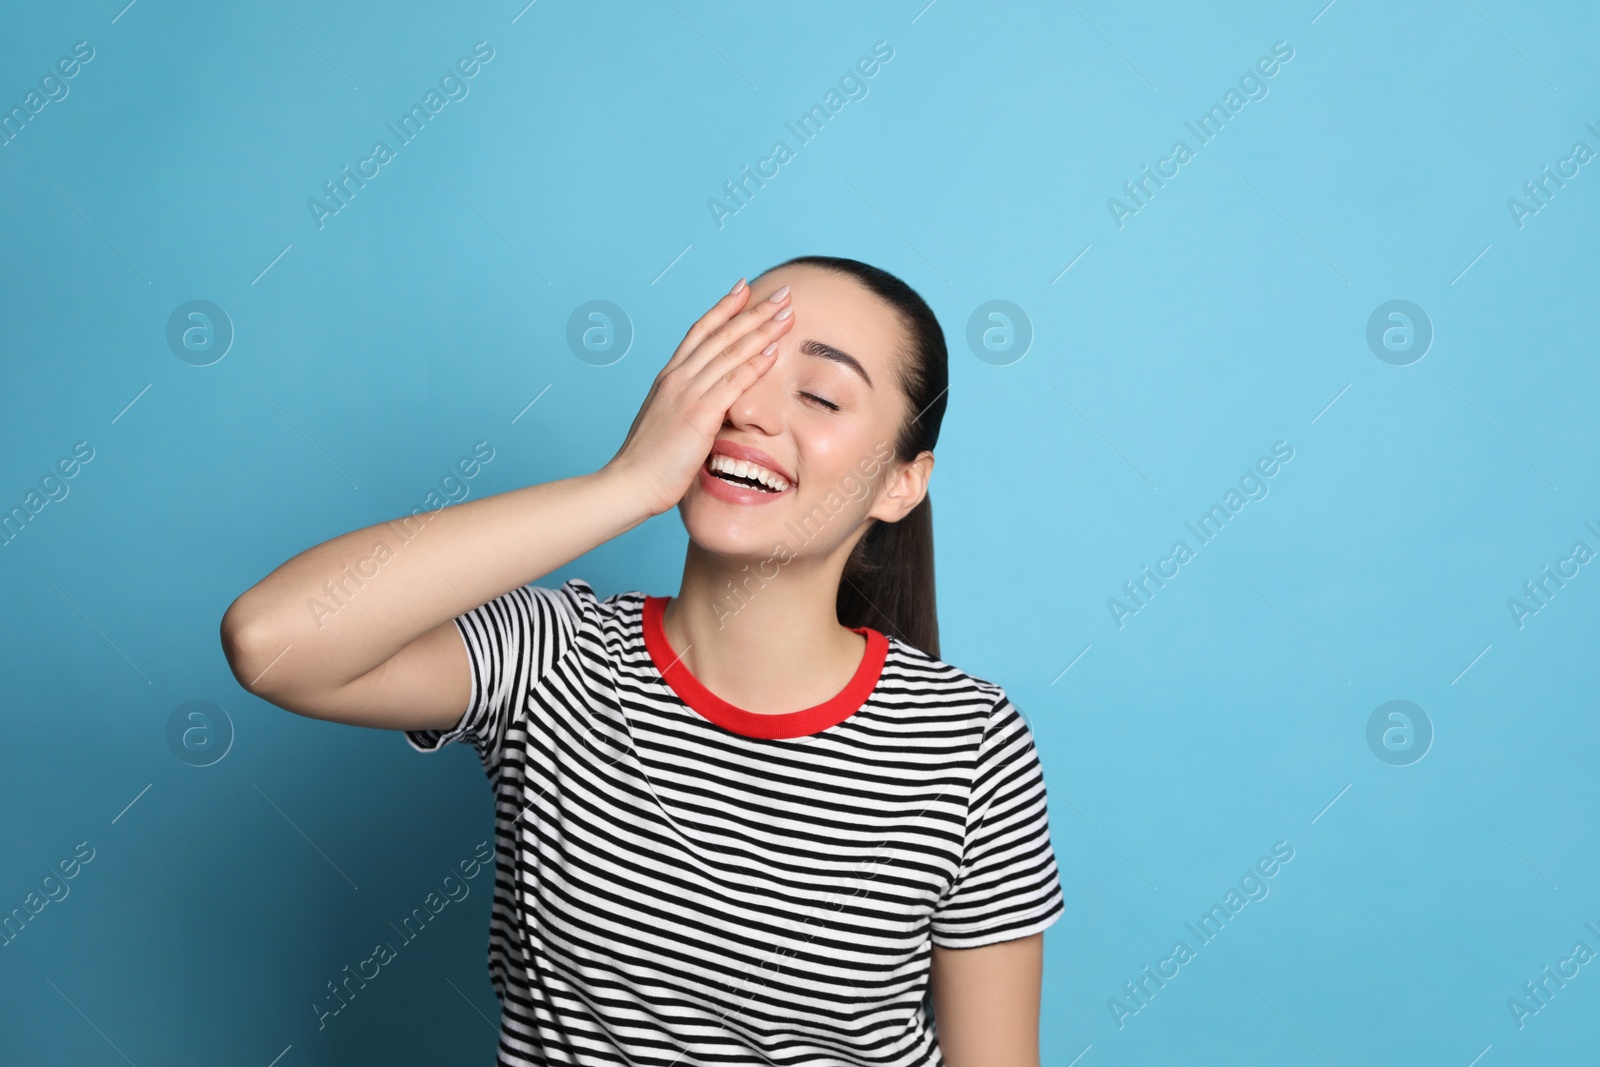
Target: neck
770 642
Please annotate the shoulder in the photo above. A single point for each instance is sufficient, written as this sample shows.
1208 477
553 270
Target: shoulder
971 718
578 597
606 625
913 675
975 713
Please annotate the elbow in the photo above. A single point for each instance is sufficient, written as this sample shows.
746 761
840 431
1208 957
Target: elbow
249 647
258 650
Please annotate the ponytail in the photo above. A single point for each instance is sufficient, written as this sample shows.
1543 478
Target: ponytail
887 582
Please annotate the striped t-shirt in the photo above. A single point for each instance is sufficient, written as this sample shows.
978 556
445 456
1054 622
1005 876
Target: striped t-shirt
680 882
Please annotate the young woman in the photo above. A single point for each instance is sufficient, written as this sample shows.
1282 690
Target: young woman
760 821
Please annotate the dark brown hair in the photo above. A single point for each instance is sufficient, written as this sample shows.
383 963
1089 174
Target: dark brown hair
888 580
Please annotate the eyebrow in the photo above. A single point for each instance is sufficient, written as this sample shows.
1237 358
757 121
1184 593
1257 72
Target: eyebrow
827 351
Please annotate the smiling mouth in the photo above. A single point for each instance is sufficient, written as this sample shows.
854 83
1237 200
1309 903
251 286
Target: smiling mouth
745 475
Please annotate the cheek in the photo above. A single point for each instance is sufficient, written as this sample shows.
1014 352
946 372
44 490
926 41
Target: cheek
833 463
826 453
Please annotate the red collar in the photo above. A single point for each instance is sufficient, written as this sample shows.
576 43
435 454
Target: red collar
811 720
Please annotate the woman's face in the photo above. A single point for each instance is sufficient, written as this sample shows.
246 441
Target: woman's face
825 416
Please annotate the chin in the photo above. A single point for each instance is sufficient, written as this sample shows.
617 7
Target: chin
729 530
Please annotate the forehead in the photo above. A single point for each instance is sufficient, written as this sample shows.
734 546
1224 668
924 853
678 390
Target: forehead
839 310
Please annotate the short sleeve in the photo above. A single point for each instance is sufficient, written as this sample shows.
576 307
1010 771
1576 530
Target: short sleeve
1008 885
512 642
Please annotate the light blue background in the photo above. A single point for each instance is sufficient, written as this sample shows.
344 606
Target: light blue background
1228 314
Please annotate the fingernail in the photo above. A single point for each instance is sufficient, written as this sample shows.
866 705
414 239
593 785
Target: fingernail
785 313
737 286
777 298
773 347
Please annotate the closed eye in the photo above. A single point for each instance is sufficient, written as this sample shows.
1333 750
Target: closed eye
830 405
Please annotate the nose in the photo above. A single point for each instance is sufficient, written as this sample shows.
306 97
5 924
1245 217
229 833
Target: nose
760 406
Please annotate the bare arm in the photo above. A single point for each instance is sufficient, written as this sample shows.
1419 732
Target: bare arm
986 1003
388 654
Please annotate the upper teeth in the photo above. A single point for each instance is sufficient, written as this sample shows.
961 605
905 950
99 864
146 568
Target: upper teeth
741 469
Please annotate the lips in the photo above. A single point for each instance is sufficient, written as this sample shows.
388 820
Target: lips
734 493
751 455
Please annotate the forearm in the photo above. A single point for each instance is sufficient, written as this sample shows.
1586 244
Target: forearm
352 602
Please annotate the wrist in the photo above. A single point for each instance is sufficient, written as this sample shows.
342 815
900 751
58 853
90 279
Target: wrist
625 498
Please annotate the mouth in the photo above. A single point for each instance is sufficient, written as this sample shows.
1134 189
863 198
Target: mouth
742 474
745 475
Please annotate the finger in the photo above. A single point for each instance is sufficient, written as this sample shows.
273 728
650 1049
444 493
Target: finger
737 369
727 336
719 313
723 391
736 354
712 362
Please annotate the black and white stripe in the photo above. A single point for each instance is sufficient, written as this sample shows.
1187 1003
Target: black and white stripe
671 893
